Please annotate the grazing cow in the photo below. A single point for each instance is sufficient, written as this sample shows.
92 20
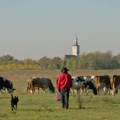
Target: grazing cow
83 83
43 83
115 84
6 85
14 101
103 83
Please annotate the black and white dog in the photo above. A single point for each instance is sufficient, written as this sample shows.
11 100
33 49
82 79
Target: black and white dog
14 102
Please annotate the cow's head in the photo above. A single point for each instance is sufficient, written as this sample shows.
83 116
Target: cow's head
11 90
52 89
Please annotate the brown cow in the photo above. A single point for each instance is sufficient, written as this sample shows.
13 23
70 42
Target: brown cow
103 81
115 84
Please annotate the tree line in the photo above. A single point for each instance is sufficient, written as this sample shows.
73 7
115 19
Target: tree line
95 60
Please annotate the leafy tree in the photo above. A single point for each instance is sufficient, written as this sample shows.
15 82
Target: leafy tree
95 60
6 59
29 61
117 59
83 61
56 62
44 62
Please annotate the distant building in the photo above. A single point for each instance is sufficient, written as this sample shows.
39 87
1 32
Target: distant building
76 48
75 51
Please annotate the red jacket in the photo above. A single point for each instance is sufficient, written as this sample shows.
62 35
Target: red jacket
64 81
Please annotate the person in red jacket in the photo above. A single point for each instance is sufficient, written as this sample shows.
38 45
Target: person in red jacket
64 84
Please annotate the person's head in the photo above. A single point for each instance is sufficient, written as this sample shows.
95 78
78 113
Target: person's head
64 70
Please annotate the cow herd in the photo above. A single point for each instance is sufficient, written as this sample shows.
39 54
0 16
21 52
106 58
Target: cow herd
82 84
105 83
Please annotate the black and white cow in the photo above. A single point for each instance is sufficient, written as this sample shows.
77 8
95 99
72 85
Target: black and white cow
81 83
6 85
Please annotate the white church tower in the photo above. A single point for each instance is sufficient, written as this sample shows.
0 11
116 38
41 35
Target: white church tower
76 48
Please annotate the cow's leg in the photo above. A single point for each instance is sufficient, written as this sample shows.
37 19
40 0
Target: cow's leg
44 91
112 91
116 90
79 91
99 90
87 90
108 91
104 90
75 91
71 91
31 91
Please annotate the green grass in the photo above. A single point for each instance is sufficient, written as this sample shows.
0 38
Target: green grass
44 106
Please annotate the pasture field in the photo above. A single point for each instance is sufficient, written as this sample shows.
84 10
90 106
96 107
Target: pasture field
44 106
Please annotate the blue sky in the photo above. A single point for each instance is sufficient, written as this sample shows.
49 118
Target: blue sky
37 28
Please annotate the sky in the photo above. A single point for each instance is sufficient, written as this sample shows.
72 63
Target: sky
37 28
